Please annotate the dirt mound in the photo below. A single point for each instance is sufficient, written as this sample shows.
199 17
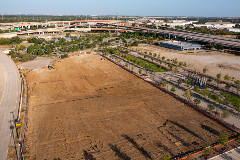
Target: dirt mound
91 109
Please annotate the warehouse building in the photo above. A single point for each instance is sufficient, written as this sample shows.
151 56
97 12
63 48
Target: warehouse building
179 45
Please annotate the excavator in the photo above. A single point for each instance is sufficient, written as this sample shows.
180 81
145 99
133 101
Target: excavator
51 67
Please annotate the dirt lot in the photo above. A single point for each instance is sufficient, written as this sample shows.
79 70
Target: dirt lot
197 61
91 109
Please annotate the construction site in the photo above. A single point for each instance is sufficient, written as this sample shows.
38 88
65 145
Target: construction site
85 107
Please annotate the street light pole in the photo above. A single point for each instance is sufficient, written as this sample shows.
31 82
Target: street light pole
117 23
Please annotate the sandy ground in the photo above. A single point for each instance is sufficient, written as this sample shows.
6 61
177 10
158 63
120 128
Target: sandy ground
38 62
230 63
91 109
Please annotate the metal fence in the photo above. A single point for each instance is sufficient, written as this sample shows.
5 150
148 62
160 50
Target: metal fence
24 125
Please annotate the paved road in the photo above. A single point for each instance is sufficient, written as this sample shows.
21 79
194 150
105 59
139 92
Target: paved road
233 154
9 102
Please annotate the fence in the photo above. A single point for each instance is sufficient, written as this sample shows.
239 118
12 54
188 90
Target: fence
24 125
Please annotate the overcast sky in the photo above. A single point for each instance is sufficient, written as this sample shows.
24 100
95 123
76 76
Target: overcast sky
200 8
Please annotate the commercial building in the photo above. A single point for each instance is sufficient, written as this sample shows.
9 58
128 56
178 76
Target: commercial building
216 25
179 45
234 30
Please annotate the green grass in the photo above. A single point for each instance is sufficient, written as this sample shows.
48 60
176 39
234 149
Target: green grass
234 100
145 64
211 96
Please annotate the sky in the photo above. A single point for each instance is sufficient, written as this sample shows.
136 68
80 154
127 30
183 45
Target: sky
198 8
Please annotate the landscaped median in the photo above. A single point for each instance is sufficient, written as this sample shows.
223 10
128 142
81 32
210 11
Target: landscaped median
145 64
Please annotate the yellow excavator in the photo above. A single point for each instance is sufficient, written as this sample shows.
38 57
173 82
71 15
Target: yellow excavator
51 67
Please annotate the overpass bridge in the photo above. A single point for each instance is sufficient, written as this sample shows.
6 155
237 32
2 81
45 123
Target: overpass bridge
199 37
111 25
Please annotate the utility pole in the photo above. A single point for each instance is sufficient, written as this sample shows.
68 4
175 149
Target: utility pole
2 17
117 23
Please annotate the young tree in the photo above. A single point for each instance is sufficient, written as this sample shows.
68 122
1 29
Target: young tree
207 152
185 64
154 55
197 101
163 58
205 70
132 67
211 107
140 71
223 139
180 81
173 89
175 69
11 53
219 76
238 85
164 83
210 79
228 86
238 138
187 94
196 88
175 61
226 77
166 157
49 51
226 114
170 66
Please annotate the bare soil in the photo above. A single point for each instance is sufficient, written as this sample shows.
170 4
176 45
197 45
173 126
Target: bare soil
86 108
198 61
5 46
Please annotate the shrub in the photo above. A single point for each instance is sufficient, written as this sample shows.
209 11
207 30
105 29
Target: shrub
173 88
211 107
64 56
164 83
223 139
180 81
226 77
205 70
226 114
196 88
166 157
210 79
26 57
227 86
197 101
